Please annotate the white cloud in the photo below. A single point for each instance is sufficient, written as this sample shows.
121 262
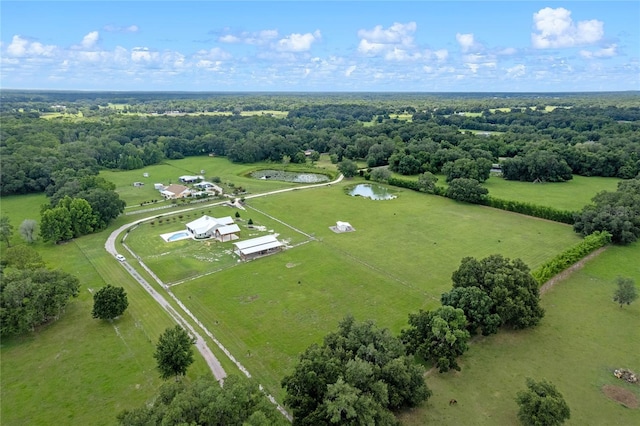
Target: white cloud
257 38
89 41
467 42
350 71
119 29
396 34
606 52
556 29
216 54
298 42
441 55
143 54
21 47
516 71
394 43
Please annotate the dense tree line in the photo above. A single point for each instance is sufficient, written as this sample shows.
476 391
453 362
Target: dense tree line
546 145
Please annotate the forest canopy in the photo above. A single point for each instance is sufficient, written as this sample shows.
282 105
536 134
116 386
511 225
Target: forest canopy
536 136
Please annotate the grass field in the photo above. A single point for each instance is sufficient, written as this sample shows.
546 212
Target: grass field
400 258
79 370
583 337
571 195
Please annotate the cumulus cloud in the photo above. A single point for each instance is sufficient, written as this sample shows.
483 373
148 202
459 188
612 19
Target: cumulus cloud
395 42
121 29
606 52
467 42
90 40
298 42
22 47
555 29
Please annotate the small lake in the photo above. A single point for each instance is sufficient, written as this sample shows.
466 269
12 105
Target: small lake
375 192
290 176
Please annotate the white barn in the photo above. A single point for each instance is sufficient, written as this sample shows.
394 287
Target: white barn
261 246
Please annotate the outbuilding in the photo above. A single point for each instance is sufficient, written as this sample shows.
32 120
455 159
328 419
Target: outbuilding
256 247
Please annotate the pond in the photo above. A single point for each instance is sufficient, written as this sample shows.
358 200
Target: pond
295 177
375 192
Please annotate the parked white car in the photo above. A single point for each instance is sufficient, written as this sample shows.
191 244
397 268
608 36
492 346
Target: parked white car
120 257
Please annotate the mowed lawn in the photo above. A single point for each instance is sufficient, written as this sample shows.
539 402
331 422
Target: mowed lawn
184 259
572 195
399 260
583 337
231 176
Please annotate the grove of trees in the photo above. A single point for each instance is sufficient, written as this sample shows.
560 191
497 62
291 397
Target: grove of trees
359 375
31 294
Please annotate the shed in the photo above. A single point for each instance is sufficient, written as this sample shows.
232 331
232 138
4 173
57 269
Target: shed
261 246
344 226
227 233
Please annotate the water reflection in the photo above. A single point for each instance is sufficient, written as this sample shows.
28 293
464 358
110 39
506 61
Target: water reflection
375 192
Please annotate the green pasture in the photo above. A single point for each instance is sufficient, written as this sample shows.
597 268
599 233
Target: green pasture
583 337
571 195
185 259
231 176
399 260
79 370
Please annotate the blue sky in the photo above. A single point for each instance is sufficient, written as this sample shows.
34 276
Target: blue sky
413 46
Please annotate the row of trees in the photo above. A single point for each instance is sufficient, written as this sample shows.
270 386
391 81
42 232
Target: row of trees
33 150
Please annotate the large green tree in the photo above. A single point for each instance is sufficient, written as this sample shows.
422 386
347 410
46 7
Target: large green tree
626 291
348 168
239 401
109 302
55 225
478 308
467 190
439 336
359 375
541 404
508 283
174 352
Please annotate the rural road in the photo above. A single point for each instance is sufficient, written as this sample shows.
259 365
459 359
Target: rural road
201 344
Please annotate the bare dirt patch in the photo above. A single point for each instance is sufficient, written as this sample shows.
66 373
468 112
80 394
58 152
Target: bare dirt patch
621 395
